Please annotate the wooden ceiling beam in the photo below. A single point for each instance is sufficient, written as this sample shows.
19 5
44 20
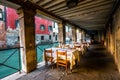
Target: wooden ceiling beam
97 26
43 2
93 27
90 23
94 21
47 16
61 9
39 1
35 1
87 11
61 5
96 29
53 3
94 14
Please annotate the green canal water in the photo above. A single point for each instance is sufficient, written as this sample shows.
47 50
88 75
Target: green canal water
10 61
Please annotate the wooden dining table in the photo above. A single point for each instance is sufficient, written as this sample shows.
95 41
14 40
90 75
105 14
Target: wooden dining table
72 54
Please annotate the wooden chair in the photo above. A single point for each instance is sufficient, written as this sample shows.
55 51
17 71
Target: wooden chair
48 57
62 59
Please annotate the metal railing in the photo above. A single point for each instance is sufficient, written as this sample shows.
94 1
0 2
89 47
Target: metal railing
40 48
10 61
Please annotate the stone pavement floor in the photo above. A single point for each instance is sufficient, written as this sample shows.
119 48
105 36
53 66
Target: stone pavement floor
95 64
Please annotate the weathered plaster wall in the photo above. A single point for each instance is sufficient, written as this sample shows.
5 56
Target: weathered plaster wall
113 38
117 37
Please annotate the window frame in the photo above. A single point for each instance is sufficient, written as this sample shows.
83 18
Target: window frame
42 37
42 27
50 37
50 28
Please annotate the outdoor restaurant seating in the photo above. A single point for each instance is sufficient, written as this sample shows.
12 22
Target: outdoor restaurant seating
71 52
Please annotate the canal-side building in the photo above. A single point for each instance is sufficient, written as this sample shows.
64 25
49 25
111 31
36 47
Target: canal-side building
9 27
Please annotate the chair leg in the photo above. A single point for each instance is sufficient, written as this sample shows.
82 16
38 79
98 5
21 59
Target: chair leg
52 64
57 65
66 70
46 63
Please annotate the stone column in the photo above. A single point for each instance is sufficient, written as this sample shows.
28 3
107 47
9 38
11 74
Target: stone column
27 38
62 32
74 34
82 36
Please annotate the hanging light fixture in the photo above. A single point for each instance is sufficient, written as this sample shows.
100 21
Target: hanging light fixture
71 3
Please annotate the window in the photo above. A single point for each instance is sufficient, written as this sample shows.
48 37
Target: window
50 28
54 24
50 37
56 37
42 37
16 23
42 27
53 34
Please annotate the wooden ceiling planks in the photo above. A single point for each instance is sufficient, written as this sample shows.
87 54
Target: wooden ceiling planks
87 13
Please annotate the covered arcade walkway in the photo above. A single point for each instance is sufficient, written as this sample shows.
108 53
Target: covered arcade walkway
96 64
97 19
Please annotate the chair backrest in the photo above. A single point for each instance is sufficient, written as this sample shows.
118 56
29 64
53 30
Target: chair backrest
62 59
61 55
48 53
